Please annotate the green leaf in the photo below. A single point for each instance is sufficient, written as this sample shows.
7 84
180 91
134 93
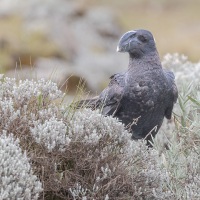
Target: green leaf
40 100
194 100
181 104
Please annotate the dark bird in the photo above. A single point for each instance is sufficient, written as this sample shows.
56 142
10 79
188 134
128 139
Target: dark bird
144 94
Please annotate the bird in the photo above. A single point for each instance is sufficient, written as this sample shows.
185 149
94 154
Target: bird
144 94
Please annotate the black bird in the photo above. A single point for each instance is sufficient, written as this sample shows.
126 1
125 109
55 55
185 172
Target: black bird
143 95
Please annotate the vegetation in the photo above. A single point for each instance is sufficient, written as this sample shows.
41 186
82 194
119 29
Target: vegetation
63 153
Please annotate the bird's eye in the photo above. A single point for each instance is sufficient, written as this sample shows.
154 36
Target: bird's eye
142 38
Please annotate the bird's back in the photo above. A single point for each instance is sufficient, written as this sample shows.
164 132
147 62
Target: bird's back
143 103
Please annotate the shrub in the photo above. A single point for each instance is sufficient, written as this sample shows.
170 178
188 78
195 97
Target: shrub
115 166
17 180
185 71
80 154
182 161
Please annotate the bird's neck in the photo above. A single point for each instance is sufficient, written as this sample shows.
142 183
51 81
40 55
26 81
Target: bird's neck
145 62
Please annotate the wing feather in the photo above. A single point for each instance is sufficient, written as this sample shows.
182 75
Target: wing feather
111 96
174 93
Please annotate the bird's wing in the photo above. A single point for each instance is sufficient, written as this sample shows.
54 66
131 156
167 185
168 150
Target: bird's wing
173 91
87 103
109 99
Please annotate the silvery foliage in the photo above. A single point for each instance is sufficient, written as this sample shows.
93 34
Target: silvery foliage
136 159
23 91
182 168
27 89
87 126
51 133
14 104
184 70
79 192
17 180
161 174
182 161
90 126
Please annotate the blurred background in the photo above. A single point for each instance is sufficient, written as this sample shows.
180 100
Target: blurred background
74 39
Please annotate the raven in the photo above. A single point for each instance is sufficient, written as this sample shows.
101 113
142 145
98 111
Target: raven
144 94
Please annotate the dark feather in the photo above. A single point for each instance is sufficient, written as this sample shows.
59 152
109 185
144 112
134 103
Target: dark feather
143 95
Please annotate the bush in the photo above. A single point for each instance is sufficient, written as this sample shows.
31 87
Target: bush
80 154
182 159
17 180
185 71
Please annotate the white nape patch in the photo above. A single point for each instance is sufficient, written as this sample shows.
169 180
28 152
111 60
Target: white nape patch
130 32
117 50
126 33
154 40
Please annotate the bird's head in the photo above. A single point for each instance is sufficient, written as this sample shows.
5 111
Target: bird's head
137 43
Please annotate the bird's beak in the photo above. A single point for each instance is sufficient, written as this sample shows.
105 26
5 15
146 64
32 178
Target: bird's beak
124 41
